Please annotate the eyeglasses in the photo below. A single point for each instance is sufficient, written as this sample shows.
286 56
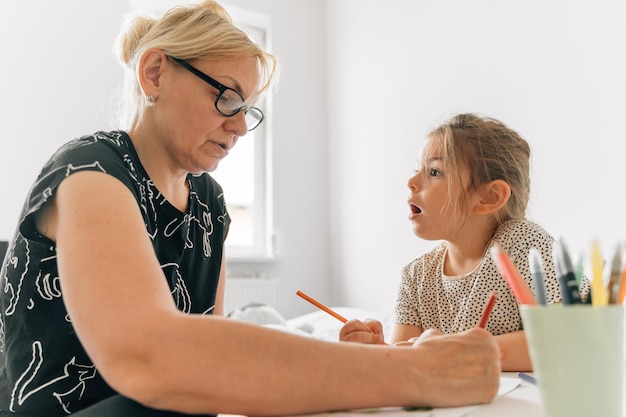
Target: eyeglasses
228 102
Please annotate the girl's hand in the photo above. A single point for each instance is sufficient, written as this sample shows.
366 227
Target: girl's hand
418 339
369 331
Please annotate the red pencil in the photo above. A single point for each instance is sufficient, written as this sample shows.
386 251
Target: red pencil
491 302
511 275
322 307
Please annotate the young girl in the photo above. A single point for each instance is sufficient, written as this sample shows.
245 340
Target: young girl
471 189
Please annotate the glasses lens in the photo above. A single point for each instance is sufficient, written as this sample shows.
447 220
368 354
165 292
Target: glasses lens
229 102
254 117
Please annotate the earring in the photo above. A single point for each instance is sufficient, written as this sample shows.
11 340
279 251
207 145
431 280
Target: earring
149 101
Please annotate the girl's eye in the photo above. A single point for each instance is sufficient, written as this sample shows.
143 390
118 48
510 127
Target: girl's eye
432 172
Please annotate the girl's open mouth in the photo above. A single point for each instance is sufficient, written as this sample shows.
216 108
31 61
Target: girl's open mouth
414 208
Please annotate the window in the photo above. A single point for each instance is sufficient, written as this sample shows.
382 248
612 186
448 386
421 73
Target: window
245 173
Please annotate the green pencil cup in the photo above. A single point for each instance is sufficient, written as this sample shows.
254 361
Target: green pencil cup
577 353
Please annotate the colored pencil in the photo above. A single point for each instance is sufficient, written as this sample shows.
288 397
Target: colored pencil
491 302
528 378
599 292
322 307
622 285
512 276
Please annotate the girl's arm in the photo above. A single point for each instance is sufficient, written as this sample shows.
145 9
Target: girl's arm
404 332
514 351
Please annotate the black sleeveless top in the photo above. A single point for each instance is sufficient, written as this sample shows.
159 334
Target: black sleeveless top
44 370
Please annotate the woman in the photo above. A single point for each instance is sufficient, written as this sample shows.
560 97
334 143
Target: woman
113 284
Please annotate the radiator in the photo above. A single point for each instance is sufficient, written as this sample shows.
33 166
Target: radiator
245 290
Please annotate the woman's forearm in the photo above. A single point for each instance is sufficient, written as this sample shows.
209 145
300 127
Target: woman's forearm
247 369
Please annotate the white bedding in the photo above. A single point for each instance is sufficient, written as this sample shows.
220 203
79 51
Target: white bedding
318 324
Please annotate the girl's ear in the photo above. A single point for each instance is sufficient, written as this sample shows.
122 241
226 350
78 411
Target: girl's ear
492 197
150 68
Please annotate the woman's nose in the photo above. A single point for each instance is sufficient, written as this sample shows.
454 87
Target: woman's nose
233 141
237 124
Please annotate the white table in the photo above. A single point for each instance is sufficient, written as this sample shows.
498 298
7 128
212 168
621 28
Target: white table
523 401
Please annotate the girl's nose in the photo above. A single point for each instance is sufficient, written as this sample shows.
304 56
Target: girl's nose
413 182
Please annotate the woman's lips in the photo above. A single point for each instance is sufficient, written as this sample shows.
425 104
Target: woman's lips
220 149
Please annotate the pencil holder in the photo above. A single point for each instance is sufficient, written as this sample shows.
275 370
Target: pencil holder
577 352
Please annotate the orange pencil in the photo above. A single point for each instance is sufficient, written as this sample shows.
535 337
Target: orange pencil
511 275
322 307
491 302
622 284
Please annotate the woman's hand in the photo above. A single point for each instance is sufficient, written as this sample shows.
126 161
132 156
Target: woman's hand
369 331
466 363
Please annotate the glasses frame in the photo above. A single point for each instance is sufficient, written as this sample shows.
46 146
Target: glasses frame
222 89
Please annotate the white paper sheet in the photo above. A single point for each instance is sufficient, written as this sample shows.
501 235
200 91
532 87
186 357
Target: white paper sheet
506 385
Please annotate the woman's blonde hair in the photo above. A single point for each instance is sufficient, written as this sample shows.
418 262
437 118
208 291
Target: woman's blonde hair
202 30
488 150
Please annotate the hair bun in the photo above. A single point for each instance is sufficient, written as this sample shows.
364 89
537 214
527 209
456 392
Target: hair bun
135 29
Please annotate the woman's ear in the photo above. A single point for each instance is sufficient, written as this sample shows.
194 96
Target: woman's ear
492 197
150 69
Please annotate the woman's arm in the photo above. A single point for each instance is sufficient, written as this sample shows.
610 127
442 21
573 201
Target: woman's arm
513 348
221 287
126 319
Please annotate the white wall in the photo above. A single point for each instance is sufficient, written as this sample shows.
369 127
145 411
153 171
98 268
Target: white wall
553 71
57 76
